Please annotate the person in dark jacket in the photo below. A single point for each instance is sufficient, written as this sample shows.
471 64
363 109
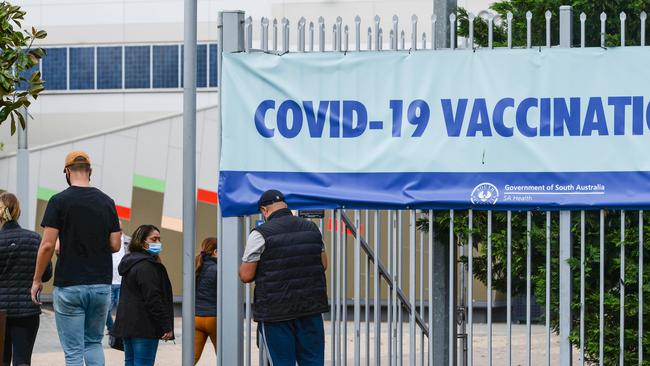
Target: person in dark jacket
145 313
18 249
205 320
286 258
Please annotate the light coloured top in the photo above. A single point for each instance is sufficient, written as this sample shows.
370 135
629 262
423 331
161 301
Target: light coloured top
117 258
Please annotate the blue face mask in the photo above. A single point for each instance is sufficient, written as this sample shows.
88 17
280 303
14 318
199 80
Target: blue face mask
154 248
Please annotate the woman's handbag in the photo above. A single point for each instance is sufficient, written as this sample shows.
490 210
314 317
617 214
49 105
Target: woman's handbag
116 342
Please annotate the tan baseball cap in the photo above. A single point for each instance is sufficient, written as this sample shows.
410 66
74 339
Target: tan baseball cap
76 157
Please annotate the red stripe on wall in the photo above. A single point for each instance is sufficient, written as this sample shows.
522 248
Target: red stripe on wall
206 196
123 213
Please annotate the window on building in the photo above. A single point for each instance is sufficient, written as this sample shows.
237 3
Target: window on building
109 67
201 65
137 67
82 67
165 66
55 73
213 66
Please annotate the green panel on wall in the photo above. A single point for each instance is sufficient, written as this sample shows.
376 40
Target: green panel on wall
148 183
45 193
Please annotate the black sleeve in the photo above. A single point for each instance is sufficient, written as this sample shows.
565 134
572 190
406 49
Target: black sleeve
113 220
47 275
51 217
150 283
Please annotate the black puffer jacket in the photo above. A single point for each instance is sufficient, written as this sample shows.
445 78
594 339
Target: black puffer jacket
18 249
206 288
146 308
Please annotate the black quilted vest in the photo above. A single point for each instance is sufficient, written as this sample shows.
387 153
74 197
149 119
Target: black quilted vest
290 279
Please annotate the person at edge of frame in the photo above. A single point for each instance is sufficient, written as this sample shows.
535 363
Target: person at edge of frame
286 258
85 221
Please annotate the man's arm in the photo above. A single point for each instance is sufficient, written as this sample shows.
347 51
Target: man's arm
45 253
116 241
247 271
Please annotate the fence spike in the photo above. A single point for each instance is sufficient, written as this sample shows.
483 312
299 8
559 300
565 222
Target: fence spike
311 36
583 19
275 34
603 20
357 28
622 17
264 39
321 34
490 18
452 33
509 18
377 40
470 20
424 41
529 36
339 32
414 32
548 15
248 30
643 17
395 32
369 45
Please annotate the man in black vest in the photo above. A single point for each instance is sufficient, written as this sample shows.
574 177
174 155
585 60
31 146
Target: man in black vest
286 258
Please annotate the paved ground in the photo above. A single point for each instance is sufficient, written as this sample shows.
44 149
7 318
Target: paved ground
47 350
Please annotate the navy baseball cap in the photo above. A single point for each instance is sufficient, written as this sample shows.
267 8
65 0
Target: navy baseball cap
270 196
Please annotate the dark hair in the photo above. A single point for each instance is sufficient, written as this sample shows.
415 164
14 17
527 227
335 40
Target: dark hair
139 236
208 246
9 207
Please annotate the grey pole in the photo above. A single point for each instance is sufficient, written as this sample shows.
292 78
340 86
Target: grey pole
231 319
189 179
22 172
566 280
442 9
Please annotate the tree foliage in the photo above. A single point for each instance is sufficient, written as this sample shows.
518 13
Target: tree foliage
19 57
538 8
538 240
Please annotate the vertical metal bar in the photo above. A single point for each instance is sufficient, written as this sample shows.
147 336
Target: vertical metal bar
622 17
248 34
489 285
369 43
421 292
452 288
452 31
339 28
391 272
333 319
218 348
377 292
470 18
395 29
366 287
346 39
336 46
275 34
583 19
434 19
344 294
414 32
189 170
640 346
601 305
301 34
430 232
285 35
22 169
528 269
321 34
470 289
582 287
357 47
529 38
509 286
547 16
603 20
402 40
264 38
424 41
377 40
490 30
412 288
509 17
311 36
357 290
380 37
247 324
395 284
621 347
400 272
338 286
548 288
643 17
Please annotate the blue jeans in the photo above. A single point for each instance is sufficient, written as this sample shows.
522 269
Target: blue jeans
140 351
115 299
299 340
80 314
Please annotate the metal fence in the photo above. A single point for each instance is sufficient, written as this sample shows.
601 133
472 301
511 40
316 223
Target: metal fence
394 318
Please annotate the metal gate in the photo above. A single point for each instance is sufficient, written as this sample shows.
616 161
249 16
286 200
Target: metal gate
397 318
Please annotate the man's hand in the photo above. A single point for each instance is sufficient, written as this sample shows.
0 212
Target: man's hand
167 336
37 286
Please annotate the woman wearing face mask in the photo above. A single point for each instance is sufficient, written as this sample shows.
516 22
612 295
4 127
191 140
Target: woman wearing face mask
145 313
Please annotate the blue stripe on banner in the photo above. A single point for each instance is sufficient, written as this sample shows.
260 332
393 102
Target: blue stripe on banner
239 191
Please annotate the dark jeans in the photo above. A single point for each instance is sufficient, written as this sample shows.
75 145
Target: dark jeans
115 299
299 340
20 336
140 351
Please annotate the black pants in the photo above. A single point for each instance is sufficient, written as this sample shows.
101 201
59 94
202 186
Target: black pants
20 336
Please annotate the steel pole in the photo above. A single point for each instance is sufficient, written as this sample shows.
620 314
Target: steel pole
22 172
189 179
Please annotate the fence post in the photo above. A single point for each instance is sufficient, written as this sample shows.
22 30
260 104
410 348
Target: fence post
442 9
566 279
231 319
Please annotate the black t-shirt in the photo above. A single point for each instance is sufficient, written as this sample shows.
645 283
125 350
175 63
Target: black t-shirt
85 218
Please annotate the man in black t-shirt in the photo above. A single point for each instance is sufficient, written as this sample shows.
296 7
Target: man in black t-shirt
85 221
